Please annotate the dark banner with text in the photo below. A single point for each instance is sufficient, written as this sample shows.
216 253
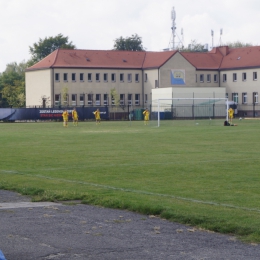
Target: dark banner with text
20 114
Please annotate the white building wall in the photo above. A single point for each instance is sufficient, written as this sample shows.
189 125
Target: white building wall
211 92
236 84
38 85
100 86
152 80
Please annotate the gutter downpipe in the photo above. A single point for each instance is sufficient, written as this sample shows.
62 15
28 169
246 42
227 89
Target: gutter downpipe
52 86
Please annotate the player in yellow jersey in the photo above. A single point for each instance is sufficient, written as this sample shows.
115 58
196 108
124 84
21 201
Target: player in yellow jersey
75 117
65 116
146 114
230 114
97 116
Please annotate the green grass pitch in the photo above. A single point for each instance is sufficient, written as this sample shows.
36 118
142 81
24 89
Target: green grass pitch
198 173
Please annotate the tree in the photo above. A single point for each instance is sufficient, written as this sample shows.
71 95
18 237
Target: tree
194 46
12 85
14 94
46 46
237 44
133 43
115 99
64 96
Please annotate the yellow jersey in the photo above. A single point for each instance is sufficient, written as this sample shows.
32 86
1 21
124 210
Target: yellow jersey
74 114
65 115
146 114
97 115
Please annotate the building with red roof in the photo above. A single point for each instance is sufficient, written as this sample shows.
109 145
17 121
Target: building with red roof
86 77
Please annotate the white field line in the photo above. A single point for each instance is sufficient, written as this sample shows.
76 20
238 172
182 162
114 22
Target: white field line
135 191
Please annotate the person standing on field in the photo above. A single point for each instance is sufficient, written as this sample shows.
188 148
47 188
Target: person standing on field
146 114
65 116
97 116
230 114
75 117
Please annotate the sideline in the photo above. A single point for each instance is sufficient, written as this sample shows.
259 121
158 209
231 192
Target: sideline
135 191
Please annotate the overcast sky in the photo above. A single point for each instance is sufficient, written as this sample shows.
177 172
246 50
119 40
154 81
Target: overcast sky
95 24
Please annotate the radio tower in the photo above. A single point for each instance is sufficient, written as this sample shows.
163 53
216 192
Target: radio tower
173 15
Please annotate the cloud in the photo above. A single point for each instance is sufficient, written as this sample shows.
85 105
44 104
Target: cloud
95 24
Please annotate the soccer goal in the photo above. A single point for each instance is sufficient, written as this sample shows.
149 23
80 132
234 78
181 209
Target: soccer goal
193 109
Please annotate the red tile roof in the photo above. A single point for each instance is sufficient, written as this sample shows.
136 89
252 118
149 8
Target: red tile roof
157 59
103 59
204 60
217 58
242 58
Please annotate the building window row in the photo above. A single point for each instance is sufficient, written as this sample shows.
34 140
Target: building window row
96 99
244 76
97 77
208 78
244 97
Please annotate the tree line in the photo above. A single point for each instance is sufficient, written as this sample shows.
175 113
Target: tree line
12 80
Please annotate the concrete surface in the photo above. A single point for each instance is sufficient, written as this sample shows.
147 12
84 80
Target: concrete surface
59 231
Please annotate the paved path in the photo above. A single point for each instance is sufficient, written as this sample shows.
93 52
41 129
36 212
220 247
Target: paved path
58 231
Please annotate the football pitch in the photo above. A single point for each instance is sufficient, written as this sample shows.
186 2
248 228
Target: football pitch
198 173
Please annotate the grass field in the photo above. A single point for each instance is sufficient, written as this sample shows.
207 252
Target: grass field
201 174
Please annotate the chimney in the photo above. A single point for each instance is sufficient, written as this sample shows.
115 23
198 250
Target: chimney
224 50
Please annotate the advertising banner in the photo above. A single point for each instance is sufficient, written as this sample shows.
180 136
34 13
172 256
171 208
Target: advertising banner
20 114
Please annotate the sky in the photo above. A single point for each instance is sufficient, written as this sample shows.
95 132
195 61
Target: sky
95 24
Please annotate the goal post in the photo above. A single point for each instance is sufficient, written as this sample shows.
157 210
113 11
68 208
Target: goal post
189 108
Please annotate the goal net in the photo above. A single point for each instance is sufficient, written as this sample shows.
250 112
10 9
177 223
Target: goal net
193 110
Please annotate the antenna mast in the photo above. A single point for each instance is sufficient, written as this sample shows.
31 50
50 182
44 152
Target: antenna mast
221 32
212 35
173 16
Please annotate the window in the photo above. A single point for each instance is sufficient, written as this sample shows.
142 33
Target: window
90 98
121 77
81 77
97 77
57 99
255 97
73 77
105 77
105 99
65 77
98 96
73 99
57 76
82 99
235 97
129 77
136 77
215 78
201 77
208 78
145 77
89 77
113 77
145 98
137 99
255 75
243 76
224 77
234 77
129 99
112 100
226 95
122 99
244 98
156 84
